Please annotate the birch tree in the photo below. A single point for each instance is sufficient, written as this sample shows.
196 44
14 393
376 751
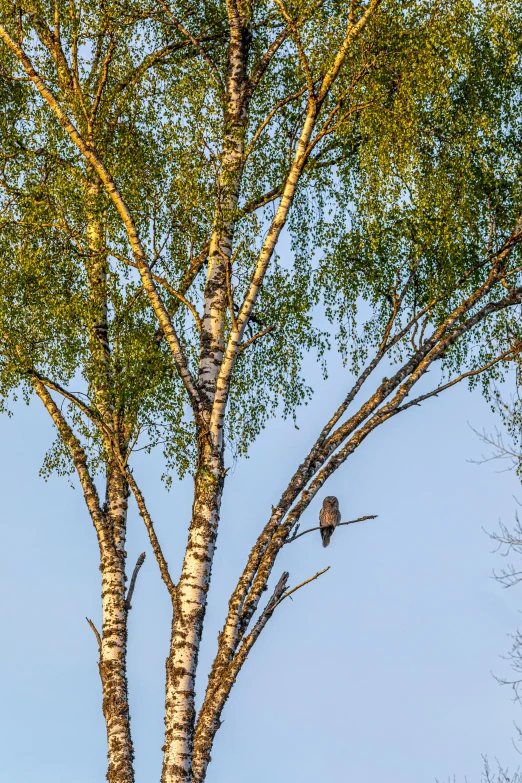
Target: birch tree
194 197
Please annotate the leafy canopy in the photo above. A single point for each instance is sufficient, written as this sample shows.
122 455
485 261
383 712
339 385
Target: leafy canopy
413 176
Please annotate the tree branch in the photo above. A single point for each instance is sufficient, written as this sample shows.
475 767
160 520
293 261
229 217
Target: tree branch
80 462
156 548
253 581
96 633
271 114
264 62
311 529
279 221
161 280
307 581
255 337
508 355
194 41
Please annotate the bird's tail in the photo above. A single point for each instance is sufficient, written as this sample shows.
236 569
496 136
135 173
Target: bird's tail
326 533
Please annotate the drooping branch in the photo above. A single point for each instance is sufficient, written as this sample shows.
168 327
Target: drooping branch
165 283
80 462
303 59
269 117
156 548
196 44
91 413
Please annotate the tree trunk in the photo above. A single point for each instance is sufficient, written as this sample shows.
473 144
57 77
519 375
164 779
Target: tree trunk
187 624
191 594
113 653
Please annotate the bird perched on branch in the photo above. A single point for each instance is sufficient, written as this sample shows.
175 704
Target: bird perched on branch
329 518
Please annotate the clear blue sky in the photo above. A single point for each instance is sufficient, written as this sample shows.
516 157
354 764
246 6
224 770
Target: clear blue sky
379 671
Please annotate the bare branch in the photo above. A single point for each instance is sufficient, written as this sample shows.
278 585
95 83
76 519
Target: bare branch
95 632
254 338
307 581
156 548
311 529
221 680
253 581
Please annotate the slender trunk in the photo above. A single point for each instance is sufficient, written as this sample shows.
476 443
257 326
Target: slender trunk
113 653
189 614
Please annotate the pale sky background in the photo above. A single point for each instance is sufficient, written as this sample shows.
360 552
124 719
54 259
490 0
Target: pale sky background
378 672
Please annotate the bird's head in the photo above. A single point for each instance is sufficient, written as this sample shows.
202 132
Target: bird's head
331 502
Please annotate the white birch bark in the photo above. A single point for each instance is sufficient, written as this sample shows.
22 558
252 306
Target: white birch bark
113 652
192 590
187 624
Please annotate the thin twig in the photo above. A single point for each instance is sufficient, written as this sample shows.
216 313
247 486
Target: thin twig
307 581
254 338
350 522
197 44
164 283
139 563
271 114
95 632
508 355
